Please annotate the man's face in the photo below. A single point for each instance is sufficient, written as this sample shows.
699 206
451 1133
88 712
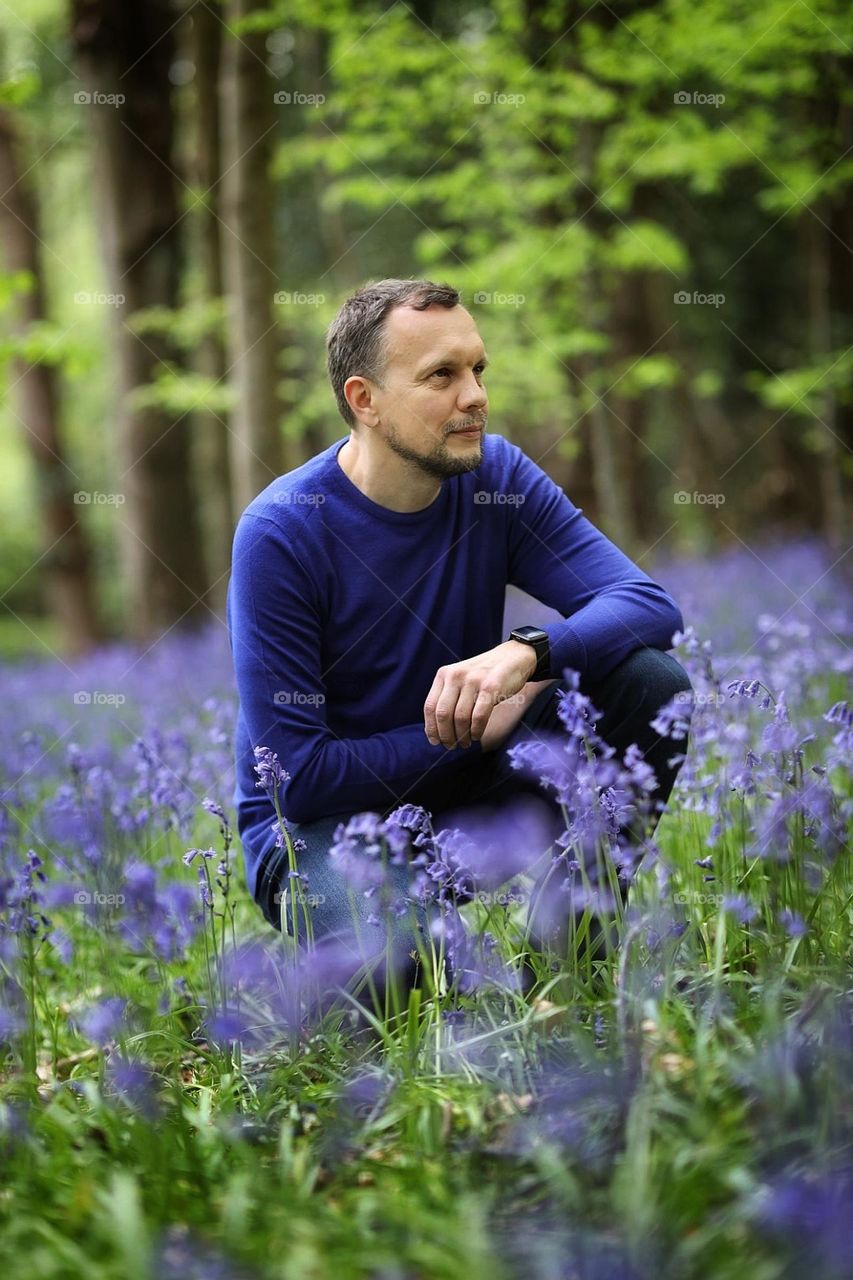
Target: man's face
433 390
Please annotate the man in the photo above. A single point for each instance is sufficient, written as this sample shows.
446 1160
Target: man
367 596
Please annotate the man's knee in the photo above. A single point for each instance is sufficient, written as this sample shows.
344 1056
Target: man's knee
654 677
670 678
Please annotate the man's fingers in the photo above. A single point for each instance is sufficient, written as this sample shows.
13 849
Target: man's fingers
455 713
430 706
462 715
444 716
483 708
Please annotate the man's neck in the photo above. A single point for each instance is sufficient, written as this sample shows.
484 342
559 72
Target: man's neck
391 483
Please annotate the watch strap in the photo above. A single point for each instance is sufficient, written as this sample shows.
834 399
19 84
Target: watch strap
538 640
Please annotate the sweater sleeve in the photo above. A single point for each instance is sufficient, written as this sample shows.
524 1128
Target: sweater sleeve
556 554
276 622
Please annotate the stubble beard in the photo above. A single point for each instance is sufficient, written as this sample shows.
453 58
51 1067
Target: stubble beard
440 462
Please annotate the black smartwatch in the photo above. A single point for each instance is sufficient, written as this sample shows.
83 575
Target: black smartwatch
538 638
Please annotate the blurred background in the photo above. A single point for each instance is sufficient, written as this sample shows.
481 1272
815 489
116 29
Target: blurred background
646 207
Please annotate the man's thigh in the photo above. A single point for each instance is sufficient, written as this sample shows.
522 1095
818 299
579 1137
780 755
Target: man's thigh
336 909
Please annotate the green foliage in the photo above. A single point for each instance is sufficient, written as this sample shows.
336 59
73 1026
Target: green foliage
525 173
12 285
185 326
179 391
593 162
639 1108
804 390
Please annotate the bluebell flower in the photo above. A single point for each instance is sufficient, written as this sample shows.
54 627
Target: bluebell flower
270 773
740 907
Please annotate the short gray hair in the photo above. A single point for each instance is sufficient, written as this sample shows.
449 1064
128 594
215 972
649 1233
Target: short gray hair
356 339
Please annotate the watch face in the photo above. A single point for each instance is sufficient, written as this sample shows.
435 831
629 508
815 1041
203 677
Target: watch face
530 633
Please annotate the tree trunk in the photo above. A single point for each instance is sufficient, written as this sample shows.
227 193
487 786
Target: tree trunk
816 263
66 560
249 259
603 435
126 51
212 464
606 432
639 469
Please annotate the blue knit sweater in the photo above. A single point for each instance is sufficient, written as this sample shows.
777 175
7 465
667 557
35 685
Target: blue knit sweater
340 612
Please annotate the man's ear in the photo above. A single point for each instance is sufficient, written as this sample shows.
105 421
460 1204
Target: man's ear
359 396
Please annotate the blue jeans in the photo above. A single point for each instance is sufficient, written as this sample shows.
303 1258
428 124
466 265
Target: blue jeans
629 698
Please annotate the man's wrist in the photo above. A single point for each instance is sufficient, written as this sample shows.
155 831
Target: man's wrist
537 640
528 655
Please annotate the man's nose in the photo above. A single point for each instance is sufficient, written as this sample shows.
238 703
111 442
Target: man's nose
473 394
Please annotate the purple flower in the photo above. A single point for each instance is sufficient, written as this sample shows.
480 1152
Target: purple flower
578 1103
473 959
230 1024
358 853
284 996
216 809
551 761
281 834
182 1254
576 711
191 854
809 1211
793 923
133 1083
414 819
102 1022
442 871
11 1024
840 713
780 735
270 773
490 846
24 898
744 688
204 888
673 718
740 907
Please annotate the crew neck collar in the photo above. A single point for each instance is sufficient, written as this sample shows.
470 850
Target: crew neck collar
343 483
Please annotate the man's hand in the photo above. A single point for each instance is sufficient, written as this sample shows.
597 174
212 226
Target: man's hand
464 694
508 713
